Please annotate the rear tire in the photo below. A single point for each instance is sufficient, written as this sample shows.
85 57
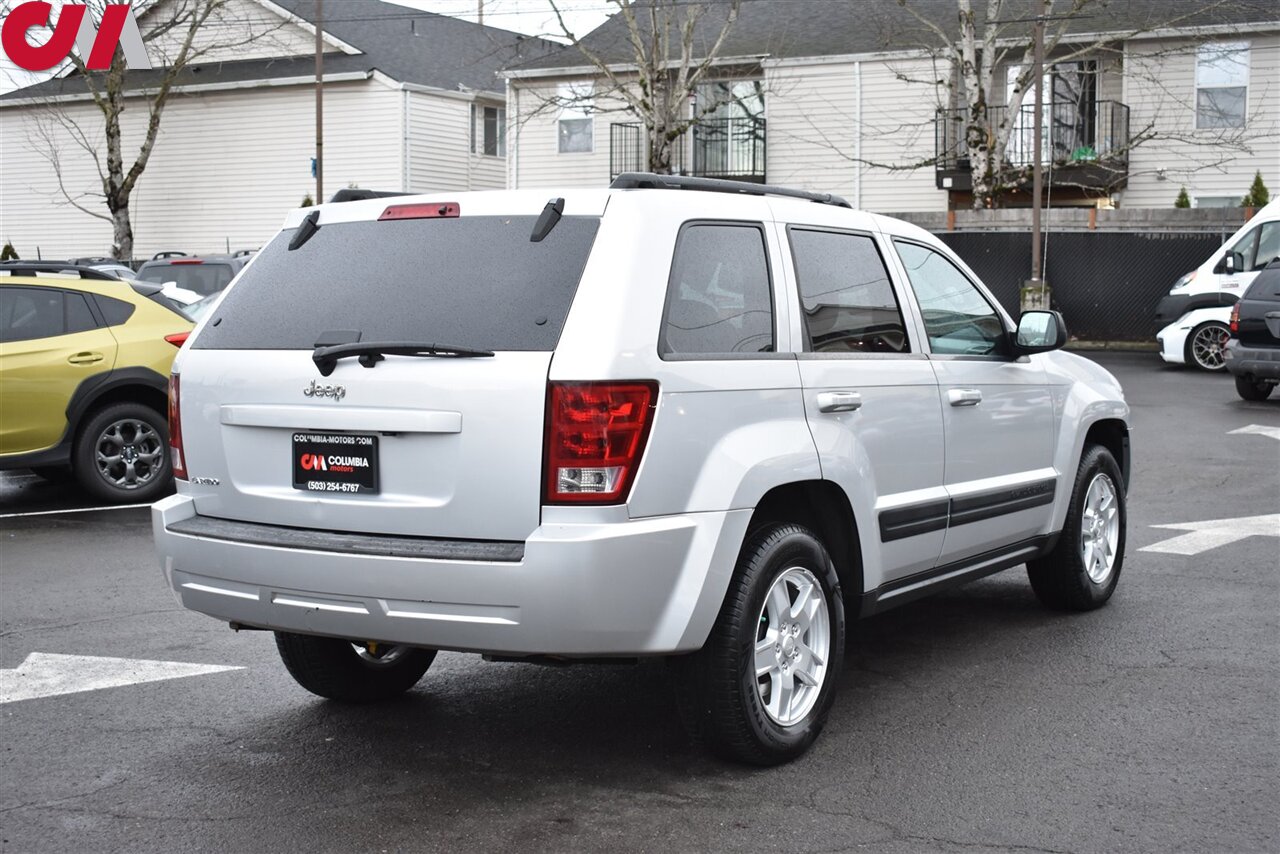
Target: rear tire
1206 345
1081 572
122 454
760 690
337 670
1250 389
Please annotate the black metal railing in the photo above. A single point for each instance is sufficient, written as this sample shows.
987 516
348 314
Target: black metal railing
712 148
1073 133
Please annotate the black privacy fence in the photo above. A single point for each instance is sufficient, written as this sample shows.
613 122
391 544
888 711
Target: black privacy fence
1105 284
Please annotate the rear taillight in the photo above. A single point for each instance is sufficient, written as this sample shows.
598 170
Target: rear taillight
175 430
1235 319
177 339
431 210
596 433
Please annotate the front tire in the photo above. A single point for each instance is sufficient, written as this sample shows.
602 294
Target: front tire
1081 572
1251 389
1205 347
349 672
760 690
122 454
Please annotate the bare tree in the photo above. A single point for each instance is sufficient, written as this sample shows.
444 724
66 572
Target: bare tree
670 48
177 34
982 45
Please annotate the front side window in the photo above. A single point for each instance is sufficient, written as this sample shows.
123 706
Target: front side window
1222 84
1268 246
848 303
719 297
576 127
957 318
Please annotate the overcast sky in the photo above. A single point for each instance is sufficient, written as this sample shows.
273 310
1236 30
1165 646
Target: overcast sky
532 17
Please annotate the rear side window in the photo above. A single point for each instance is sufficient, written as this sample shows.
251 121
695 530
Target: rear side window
27 314
719 296
1266 287
115 311
463 281
849 305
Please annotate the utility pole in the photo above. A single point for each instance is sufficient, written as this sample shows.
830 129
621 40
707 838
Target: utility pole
480 12
1037 167
319 102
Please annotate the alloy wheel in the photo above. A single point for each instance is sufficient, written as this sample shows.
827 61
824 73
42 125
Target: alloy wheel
792 646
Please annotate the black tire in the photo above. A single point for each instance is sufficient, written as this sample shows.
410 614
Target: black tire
1251 389
55 474
717 687
1061 579
333 668
152 471
1213 361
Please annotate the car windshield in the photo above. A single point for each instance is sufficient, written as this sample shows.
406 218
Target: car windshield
203 278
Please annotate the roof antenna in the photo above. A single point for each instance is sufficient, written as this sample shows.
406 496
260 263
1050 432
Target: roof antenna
547 220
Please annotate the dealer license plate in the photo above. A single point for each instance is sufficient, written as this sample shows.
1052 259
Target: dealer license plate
335 462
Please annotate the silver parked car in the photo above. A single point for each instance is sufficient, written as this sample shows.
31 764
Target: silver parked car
678 417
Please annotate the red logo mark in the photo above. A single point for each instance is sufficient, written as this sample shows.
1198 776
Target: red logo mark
96 45
314 462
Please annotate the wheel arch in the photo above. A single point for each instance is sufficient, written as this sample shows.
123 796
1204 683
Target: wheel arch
130 385
823 507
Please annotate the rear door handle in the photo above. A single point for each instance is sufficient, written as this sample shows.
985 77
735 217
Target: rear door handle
964 396
84 358
839 401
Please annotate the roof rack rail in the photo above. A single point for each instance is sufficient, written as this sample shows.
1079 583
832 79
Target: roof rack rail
45 268
356 194
653 181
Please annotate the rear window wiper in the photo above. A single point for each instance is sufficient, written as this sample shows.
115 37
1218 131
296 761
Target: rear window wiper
372 352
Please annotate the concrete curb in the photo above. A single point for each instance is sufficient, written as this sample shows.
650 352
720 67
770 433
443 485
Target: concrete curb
1131 346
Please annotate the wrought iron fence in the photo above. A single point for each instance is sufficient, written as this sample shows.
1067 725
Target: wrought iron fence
716 148
1073 133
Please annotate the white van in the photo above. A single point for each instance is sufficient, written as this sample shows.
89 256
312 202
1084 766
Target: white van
1193 317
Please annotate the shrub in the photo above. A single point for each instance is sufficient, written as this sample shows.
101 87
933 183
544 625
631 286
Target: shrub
1183 200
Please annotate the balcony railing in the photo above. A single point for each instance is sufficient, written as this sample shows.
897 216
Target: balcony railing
714 148
1084 144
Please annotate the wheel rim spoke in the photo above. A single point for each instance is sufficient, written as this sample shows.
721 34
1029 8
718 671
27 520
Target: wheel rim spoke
792 645
1099 528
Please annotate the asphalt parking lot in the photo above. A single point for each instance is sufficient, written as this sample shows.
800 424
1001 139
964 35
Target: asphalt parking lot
973 721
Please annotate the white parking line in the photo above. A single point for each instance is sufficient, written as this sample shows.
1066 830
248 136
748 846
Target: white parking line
1212 533
73 510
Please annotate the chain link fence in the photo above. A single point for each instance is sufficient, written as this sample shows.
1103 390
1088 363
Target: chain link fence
1106 284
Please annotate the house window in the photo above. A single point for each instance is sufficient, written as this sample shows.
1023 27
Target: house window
575 128
488 130
1222 84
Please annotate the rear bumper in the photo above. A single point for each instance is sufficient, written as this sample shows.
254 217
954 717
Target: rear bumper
640 587
1261 363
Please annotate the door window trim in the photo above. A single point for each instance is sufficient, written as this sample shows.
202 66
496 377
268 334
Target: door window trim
759 226
908 327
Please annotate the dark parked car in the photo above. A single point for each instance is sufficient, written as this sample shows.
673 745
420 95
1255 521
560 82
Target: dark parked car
205 276
1253 351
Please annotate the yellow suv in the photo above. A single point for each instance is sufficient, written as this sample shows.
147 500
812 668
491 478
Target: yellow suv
84 369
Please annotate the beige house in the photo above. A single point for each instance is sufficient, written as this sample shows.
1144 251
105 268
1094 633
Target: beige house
412 101
1166 94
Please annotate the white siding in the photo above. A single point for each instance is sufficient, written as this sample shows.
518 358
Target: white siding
539 162
226 168
826 134
240 30
812 133
439 140
1160 89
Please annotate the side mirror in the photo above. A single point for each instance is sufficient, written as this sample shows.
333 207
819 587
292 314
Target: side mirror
1040 332
1231 263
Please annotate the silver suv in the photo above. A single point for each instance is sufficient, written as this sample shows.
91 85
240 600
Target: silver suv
677 417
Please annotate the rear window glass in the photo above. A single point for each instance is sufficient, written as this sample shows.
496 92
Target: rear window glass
465 282
201 278
116 311
719 297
